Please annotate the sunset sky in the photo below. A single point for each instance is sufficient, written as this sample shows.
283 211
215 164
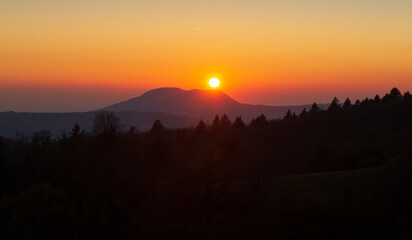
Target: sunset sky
80 55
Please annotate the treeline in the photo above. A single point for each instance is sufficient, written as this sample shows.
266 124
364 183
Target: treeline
99 185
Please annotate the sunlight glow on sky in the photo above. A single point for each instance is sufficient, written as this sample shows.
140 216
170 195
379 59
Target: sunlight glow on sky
266 52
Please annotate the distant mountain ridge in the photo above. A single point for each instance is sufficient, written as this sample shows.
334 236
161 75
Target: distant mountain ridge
203 104
174 107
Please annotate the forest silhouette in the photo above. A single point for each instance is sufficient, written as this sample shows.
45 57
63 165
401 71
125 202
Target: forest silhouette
340 173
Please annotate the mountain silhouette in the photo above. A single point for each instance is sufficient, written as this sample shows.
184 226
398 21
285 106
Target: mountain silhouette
203 104
174 107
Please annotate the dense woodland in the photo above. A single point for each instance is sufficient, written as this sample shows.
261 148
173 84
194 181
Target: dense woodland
340 173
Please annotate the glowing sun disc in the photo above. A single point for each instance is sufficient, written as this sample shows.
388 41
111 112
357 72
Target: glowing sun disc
214 82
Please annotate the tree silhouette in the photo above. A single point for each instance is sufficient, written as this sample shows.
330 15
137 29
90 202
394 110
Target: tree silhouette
76 132
303 113
106 123
395 93
41 137
289 116
334 105
3 148
365 102
377 99
157 126
225 121
201 126
347 104
216 122
132 130
314 108
259 121
407 97
238 123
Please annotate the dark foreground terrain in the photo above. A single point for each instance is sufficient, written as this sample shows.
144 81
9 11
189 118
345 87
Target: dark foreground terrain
342 173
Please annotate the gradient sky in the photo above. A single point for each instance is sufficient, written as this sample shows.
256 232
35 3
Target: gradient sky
80 55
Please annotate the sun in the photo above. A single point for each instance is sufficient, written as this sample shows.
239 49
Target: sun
214 82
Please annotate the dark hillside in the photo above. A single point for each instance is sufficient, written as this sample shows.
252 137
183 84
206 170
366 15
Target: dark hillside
340 173
356 204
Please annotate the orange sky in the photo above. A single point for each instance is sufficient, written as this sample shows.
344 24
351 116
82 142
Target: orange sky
86 54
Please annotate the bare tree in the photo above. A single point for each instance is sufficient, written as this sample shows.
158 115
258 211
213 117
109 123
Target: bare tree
106 123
